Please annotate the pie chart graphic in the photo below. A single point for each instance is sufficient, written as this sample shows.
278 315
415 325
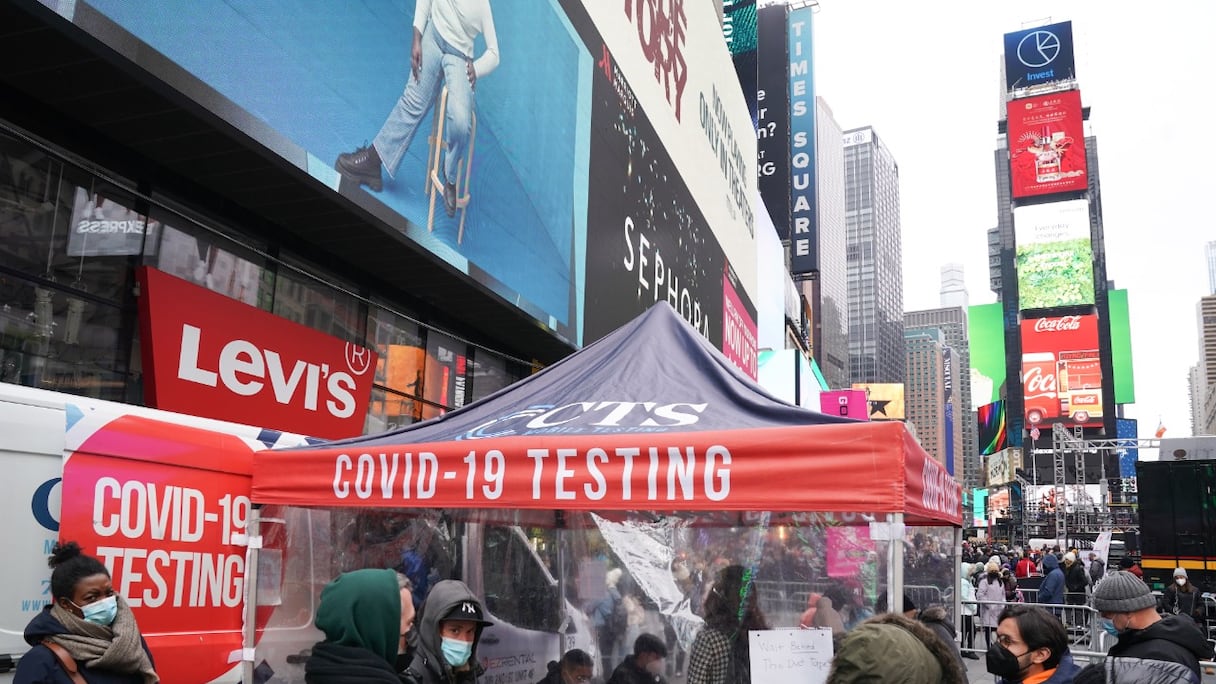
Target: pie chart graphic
1038 49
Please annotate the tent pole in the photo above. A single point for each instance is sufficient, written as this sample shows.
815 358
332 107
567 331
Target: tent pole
895 563
958 594
249 628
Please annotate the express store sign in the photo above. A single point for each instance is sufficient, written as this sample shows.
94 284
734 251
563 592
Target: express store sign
1061 370
208 355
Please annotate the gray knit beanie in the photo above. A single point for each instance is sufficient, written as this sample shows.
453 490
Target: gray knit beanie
1122 592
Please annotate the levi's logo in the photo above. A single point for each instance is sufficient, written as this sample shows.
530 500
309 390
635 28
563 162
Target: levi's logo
248 370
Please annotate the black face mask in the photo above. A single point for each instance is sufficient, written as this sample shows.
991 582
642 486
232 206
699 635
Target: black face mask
1003 663
411 645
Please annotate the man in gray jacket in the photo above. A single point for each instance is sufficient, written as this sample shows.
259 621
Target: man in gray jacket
1151 648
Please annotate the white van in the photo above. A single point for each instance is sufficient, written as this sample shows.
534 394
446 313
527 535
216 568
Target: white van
162 499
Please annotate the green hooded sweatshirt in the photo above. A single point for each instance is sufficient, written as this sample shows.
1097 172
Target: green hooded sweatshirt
363 609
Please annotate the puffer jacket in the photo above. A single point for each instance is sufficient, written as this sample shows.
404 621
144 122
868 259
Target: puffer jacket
1138 670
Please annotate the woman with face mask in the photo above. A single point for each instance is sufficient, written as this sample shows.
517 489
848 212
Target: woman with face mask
1182 598
87 628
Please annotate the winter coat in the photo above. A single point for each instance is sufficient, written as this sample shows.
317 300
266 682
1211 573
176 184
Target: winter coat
991 588
429 665
1066 670
892 648
628 672
1179 602
1170 647
968 597
40 666
935 618
1096 570
1076 579
1052 589
1025 568
360 615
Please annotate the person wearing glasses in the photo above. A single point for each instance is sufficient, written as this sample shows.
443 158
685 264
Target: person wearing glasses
1031 646
575 667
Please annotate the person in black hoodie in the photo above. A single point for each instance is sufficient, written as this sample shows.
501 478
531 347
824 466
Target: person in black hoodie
449 628
361 614
1151 648
87 626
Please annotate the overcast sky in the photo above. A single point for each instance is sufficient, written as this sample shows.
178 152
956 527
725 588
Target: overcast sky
925 75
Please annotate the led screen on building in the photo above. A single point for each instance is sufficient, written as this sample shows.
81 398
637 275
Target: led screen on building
986 333
1002 466
886 399
773 117
1121 347
979 507
1047 144
599 154
1061 370
1055 259
992 433
1043 54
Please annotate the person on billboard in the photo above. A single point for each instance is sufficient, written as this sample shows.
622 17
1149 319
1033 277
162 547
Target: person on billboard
441 55
451 622
88 629
365 616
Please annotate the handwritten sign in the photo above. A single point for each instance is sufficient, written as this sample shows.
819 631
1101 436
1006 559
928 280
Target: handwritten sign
791 655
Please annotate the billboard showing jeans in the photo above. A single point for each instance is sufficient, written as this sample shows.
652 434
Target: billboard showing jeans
466 124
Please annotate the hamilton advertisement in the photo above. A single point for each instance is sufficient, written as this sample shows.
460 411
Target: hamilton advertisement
477 130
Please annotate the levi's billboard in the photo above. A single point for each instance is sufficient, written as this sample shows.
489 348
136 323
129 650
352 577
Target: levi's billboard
1047 145
1061 370
207 355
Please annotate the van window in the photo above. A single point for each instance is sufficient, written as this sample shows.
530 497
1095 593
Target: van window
518 587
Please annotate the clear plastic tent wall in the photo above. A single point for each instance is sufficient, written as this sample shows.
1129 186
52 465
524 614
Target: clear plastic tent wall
550 580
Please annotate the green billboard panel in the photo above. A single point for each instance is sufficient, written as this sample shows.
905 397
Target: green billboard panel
1121 347
986 337
1055 261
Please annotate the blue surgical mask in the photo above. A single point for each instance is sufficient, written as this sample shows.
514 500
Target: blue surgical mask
100 612
456 652
1109 626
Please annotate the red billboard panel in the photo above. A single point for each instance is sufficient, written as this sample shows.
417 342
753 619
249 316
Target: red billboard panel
208 355
1061 373
1047 144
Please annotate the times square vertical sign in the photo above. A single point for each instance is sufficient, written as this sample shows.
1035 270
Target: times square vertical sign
804 248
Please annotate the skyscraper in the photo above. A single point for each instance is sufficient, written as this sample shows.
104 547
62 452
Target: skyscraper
1209 252
874 254
949 324
925 390
954 286
828 293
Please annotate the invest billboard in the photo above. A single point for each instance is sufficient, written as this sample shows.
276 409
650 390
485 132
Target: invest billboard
1047 145
1061 370
1055 259
532 95
1043 54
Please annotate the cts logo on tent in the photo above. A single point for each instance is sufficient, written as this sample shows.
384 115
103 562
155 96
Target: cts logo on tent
1038 49
590 417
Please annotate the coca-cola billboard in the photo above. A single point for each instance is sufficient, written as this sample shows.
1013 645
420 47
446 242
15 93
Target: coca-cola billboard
1061 372
209 355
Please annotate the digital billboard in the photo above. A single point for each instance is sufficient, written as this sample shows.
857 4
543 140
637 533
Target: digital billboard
1121 347
992 433
1055 259
773 116
979 507
850 403
948 407
986 335
804 229
886 400
488 144
1129 429
998 504
1047 145
1039 55
1061 370
1002 465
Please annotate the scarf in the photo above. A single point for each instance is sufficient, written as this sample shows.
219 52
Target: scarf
117 648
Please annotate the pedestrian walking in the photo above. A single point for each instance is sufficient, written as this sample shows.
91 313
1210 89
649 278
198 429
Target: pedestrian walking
991 596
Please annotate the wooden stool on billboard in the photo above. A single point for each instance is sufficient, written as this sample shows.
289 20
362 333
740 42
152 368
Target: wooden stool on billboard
434 181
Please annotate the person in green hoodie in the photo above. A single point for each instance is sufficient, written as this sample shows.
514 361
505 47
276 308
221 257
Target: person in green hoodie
361 614
449 627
